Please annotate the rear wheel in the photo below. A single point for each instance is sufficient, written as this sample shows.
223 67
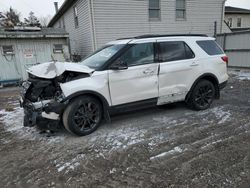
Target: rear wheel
83 115
202 95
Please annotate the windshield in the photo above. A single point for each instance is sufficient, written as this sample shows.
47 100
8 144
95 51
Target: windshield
100 57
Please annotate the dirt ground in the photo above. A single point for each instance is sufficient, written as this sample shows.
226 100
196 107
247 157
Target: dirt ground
170 146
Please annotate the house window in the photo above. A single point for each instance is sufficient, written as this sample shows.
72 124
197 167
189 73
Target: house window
230 22
8 50
154 10
238 22
181 9
63 22
58 48
76 17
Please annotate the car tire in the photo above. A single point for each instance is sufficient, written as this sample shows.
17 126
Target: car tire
202 95
83 115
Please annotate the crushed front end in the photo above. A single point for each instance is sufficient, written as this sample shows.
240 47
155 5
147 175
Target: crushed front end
42 98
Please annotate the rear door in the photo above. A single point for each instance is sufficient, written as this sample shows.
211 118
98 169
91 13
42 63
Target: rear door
140 81
178 67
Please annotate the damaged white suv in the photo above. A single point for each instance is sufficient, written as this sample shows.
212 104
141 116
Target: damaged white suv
124 74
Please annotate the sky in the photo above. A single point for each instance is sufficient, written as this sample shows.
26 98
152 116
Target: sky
46 7
39 7
237 3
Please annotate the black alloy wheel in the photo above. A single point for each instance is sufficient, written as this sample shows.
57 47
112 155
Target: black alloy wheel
83 115
202 95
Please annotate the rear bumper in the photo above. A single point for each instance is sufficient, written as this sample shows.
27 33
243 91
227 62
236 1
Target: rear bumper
223 85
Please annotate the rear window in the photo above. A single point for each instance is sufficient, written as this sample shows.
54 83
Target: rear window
173 51
210 47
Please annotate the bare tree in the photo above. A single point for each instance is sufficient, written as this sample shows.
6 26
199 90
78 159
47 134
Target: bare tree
2 19
44 20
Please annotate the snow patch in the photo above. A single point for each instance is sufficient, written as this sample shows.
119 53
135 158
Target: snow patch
211 144
176 150
70 165
13 122
244 76
240 74
220 113
118 138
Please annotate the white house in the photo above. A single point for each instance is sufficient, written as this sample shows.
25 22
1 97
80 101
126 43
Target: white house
237 19
92 23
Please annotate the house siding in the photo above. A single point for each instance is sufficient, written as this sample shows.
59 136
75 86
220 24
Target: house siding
245 20
118 18
112 19
81 37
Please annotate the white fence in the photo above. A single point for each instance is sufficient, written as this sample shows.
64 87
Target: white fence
237 47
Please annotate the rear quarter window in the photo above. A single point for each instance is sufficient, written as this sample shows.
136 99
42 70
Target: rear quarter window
210 47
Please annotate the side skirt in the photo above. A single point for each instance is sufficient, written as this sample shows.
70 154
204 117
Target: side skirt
133 106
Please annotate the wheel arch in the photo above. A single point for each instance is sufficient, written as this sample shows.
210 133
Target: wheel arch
96 95
210 77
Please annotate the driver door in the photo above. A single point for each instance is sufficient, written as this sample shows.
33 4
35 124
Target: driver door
140 80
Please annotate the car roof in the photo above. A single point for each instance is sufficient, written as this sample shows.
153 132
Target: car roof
148 38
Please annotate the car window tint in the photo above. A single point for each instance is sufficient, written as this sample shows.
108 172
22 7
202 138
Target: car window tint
139 54
210 47
172 51
189 52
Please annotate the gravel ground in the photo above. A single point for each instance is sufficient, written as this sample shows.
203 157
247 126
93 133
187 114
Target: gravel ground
169 146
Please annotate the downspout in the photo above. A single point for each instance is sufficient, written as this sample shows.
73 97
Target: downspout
222 15
92 24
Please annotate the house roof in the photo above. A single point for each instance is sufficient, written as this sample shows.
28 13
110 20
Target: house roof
43 33
235 10
65 6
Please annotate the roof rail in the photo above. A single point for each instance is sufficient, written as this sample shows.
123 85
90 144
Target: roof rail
170 35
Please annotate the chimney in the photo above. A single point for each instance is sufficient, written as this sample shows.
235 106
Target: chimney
56 6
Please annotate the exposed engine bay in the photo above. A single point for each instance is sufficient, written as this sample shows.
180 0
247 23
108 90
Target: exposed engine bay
42 98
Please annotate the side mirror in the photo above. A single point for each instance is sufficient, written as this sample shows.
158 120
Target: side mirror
119 65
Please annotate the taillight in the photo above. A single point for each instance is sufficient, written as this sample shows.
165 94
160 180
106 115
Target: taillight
225 59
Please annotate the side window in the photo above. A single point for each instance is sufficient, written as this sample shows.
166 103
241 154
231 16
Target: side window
189 52
76 17
210 47
174 51
139 54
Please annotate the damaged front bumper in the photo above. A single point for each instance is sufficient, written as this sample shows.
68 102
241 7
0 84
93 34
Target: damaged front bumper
46 114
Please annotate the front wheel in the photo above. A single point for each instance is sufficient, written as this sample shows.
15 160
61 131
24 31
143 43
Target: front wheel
83 115
202 95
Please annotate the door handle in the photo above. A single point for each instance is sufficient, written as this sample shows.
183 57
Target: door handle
194 64
148 72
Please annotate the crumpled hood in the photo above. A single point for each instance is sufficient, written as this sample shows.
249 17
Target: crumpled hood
51 70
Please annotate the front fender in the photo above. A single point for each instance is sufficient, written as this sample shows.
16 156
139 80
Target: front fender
97 83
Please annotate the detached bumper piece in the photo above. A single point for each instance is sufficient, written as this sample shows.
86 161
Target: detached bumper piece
45 114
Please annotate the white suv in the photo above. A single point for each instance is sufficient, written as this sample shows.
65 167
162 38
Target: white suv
126 73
